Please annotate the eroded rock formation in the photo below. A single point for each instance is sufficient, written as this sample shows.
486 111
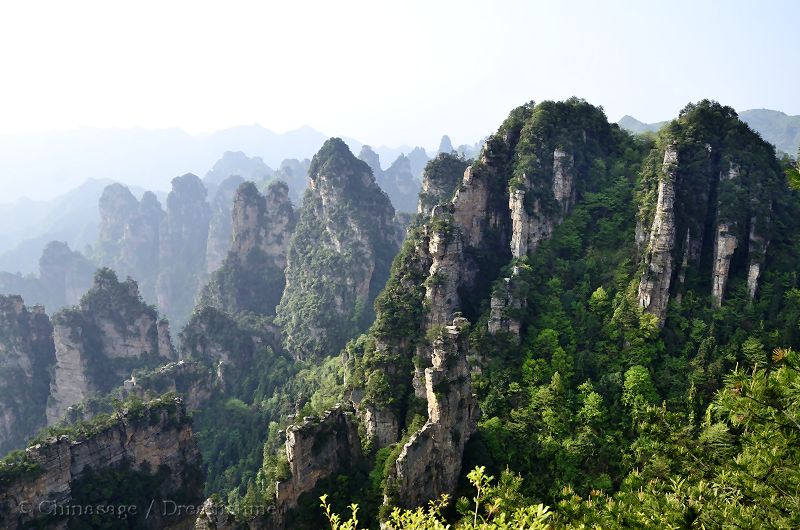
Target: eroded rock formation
26 356
711 215
182 247
251 277
157 439
430 462
99 342
220 230
339 256
316 449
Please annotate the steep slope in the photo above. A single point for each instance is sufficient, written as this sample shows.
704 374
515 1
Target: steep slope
26 356
398 180
128 241
252 276
99 342
220 230
183 237
440 179
706 206
339 256
140 464
409 377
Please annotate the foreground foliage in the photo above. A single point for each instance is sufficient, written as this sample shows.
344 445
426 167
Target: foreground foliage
739 467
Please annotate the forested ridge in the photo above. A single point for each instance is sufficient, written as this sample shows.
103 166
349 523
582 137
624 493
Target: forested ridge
597 412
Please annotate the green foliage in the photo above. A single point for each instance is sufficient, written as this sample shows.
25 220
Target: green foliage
120 304
444 174
494 507
131 410
17 463
350 237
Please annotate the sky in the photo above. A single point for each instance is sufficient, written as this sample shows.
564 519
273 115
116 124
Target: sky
384 72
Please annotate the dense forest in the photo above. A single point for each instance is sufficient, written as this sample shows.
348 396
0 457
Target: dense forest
596 414
582 328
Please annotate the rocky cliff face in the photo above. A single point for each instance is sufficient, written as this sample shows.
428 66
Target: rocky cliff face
440 179
430 462
339 256
128 241
26 356
100 341
707 205
182 247
252 276
220 230
398 181
526 181
156 442
316 449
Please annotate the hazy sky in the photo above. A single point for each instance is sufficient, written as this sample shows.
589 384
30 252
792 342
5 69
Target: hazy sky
384 72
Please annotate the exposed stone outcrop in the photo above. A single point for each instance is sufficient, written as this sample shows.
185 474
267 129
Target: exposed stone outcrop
724 246
157 439
339 256
653 293
128 241
26 356
505 306
220 229
756 251
444 276
430 462
99 342
182 247
189 379
316 449
440 179
252 277
261 222
717 184
530 221
398 180
457 255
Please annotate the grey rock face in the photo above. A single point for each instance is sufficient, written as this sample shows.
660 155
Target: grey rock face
430 462
26 356
182 247
162 437
653 293
100 341
128 241
339 256
316 449
251 278
220 229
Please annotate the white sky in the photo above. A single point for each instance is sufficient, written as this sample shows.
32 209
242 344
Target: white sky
384 72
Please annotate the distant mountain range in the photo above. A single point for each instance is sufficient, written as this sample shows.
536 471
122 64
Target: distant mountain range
778 128
60 161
